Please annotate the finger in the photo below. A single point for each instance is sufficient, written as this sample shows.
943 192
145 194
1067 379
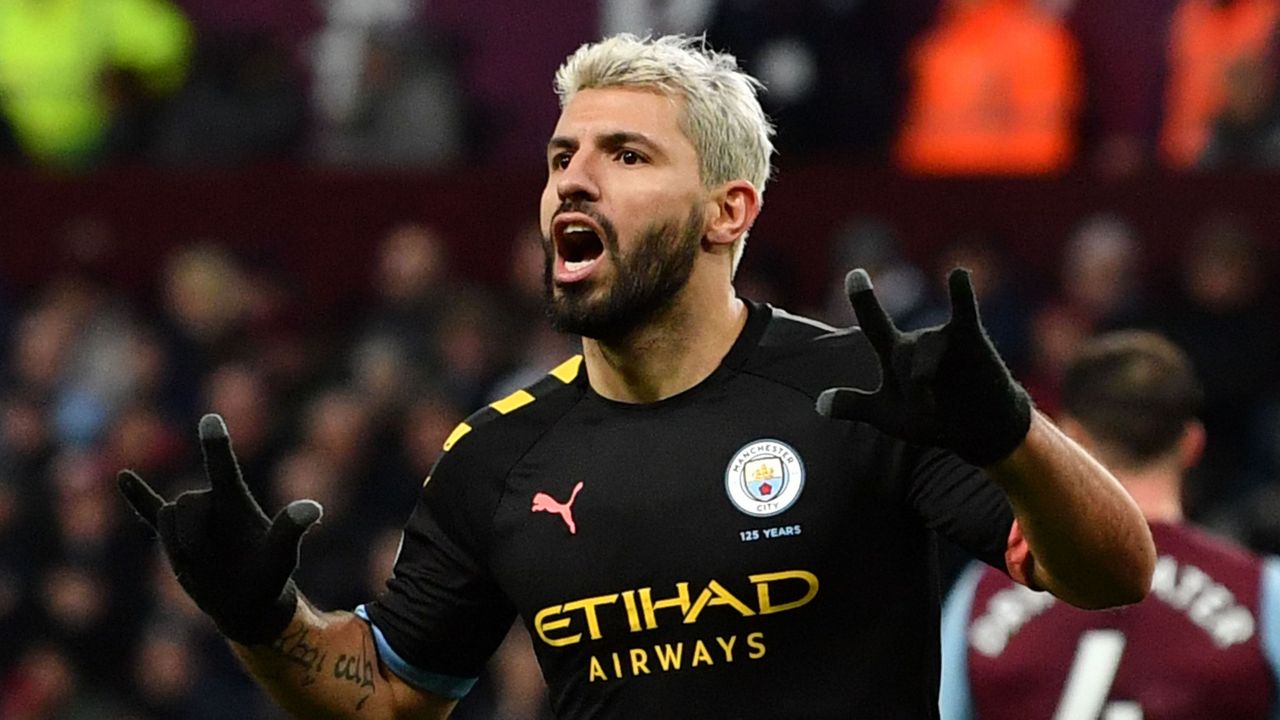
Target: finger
145 501
286 531
964 305
872 318
219 460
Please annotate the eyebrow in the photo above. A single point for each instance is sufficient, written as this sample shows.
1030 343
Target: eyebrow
562 142
606 141
615 140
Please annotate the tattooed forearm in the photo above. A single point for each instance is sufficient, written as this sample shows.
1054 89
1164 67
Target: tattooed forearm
296 647
326 666
358 670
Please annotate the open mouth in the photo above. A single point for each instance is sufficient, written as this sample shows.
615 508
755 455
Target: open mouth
579 246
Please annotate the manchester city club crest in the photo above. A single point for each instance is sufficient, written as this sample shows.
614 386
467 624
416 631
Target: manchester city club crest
764 478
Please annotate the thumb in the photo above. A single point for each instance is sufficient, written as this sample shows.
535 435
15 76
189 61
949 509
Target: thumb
280 549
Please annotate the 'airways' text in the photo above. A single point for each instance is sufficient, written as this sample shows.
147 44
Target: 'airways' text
670 657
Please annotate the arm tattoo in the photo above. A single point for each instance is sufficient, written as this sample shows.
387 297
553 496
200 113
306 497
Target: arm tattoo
357 670
295 647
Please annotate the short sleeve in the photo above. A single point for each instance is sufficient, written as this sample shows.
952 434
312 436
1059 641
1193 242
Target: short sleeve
954 699
961 503
1269 618
442 614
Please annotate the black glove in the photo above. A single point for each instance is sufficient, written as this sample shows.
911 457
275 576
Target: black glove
943 386
232 560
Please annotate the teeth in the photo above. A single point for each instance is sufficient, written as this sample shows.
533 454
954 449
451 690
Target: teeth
575 265
578 227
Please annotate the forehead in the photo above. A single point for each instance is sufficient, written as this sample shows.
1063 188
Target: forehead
623 109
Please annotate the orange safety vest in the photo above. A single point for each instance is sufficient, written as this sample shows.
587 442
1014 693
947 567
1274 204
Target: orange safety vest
995 90
1206 40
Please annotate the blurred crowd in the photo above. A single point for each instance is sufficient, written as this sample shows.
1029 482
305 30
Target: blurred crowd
351 412
353 408
937 87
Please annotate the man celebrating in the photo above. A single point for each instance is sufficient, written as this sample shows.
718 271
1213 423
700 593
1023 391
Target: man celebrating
679 529
1204 644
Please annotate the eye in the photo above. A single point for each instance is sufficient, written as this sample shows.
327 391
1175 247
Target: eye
630 157
560 160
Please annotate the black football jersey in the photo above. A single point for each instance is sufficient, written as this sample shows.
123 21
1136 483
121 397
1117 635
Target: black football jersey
727 552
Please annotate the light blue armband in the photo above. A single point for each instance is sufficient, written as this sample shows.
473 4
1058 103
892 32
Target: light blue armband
447 686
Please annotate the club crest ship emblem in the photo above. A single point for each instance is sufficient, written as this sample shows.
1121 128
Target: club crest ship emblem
764 478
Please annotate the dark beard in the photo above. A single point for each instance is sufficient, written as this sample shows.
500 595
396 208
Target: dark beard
646 283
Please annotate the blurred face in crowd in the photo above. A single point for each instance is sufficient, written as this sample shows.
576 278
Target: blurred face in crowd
622 214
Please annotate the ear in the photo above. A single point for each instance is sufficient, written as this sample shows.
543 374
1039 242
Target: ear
1191 444
733 207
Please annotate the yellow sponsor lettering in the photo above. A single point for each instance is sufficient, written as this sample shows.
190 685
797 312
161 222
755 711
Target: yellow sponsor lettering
715 594
669 655
633 613
701 654
727 646
592 618
541 624
588 605
762 581
596 672
639 661
649 605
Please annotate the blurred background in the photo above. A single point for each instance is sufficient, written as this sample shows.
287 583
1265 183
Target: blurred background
318 218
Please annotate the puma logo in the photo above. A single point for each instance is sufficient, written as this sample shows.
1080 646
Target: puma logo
543 502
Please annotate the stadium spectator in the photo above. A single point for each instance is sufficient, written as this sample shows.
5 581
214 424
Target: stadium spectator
412 290
1225 315
408 109
1246 133
534 344
76 74
1213 46
243 103
1006 301
1101 273
995 89
832 69
902 287
1099 287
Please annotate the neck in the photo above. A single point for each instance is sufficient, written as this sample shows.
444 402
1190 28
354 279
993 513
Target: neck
670 354
1156 493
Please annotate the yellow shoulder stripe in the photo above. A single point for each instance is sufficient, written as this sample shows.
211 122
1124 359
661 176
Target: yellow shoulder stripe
565 373
568 370
456 435
514 401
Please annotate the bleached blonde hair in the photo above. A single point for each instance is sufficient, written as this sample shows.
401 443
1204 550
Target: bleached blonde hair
722 115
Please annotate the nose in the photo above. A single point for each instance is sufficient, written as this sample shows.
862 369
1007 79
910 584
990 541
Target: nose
577 180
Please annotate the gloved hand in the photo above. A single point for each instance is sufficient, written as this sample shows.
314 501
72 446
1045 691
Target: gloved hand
943 386
232 560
